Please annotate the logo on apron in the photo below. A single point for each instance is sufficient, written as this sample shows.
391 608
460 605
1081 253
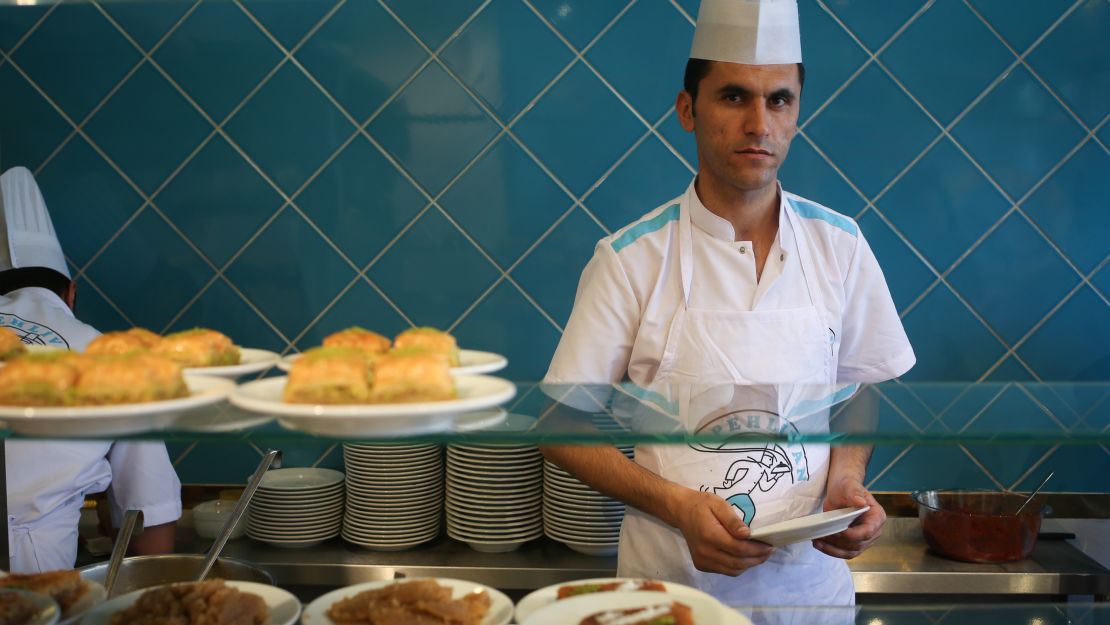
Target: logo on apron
32 333
756 466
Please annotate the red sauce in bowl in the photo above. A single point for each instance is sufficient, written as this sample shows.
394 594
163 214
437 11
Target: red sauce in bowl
976 527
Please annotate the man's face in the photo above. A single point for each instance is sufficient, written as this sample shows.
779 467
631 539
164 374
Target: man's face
743 120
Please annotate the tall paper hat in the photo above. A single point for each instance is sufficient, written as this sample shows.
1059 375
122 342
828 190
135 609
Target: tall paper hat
29 239
752 32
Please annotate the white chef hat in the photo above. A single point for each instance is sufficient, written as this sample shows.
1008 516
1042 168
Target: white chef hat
28 234
752 32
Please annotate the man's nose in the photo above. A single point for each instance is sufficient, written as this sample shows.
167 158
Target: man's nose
756 122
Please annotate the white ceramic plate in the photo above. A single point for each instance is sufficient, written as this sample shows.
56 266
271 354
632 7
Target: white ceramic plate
299 479
118 419
500 609
284 607
476 392
221 418
575 609
547 596
250 361
471 362
46 609
807 527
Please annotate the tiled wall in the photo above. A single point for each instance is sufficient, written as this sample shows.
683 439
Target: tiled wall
279 169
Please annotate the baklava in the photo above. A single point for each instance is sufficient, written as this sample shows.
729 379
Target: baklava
10 344
198 348
329 375
421 601
411 375
431 340
116 344
128 379
64 586
45 379
195 603
369 342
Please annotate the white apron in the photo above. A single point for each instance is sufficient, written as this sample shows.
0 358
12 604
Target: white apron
707 353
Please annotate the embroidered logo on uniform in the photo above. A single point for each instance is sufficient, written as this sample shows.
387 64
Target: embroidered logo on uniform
31 332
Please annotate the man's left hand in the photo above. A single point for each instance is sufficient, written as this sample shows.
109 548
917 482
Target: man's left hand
864 531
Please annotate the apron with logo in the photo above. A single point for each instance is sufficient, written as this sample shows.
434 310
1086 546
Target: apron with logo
781 360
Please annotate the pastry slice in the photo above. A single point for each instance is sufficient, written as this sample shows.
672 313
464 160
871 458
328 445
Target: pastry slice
210 602
129 379
369 342
431 340
10 344
329 375
65 586
573 590
411 375
198 347
45 379
662 614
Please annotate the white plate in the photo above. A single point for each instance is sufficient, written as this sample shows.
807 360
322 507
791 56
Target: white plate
547 595
222 418
499 545
500 608
118 419
284 607
299 479
576 609
590 549
250 361
46 609
807 527
471 362
476 392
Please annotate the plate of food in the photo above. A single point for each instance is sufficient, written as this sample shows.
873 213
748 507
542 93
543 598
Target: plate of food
23 607
807 527
251 602
403 601
460 361
634 608
66 393
73 595
200 351
559 592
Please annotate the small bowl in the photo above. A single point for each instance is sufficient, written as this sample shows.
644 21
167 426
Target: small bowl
209 518
979 525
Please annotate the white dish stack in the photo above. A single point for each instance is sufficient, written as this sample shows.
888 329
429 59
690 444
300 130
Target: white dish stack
297 507
579 516
394 495
494 495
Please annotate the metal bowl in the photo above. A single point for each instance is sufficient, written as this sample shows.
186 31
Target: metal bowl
978 525
140 572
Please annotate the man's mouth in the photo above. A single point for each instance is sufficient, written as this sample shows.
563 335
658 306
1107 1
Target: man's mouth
758 151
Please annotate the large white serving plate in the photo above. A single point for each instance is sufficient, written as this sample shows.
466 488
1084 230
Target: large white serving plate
807 527
284 607
117 419
475 392
500 608
575 609
471 362
548 595
251 360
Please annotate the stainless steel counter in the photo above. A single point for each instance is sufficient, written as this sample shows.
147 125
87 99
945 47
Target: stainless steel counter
898 564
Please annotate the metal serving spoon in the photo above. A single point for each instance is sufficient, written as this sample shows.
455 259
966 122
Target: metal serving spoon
1034 493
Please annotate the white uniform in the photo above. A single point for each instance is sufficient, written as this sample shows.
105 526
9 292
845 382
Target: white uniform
47 481
673 299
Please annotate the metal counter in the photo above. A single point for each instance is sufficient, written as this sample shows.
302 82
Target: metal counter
898 564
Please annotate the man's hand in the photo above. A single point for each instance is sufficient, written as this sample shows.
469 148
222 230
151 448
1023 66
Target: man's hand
865 530
717 538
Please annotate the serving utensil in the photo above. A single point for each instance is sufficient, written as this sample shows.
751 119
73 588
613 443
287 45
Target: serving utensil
132 524
272 458
1034 493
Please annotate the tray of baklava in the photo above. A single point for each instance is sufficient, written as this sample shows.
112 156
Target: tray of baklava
361 383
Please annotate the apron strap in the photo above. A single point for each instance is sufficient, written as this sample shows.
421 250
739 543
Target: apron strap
686 246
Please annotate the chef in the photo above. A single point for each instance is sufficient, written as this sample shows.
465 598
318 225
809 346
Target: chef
737 282
47 481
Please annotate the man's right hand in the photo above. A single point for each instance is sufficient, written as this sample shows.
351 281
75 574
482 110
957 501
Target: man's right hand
717 538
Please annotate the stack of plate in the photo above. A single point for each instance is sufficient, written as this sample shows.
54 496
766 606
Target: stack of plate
494 495
297 507
579 516
394 495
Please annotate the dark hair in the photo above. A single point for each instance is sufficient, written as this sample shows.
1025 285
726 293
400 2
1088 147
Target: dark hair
697 69
23 277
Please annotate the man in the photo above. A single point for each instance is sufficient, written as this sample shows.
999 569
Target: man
735 282
48 481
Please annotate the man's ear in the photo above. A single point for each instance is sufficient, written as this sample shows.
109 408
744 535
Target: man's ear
684 107
70 296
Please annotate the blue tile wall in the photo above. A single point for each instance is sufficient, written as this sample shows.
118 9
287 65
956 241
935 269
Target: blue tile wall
281 169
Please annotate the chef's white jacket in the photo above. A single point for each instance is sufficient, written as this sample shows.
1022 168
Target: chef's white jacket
48 480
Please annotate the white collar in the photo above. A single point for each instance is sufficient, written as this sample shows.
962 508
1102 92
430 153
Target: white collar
46 296
720 228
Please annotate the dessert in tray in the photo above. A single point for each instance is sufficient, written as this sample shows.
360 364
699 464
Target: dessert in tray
65 587
195 603
673 613
199 347
418 601
64 378
357 366
10 344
